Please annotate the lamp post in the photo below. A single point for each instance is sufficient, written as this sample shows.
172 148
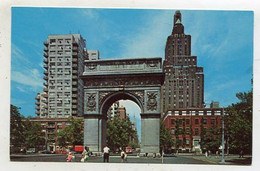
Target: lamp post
223 143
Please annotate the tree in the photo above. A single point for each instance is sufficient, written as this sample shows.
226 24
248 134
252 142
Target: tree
238 123
183 132
119 133
210 138
166 141
17 137
34 137
71 135
202 135
177 133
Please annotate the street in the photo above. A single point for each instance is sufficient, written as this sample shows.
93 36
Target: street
181 159
112 159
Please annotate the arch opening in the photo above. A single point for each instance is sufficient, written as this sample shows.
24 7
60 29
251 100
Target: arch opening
119 96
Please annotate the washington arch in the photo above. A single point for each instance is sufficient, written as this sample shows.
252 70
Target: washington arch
107 81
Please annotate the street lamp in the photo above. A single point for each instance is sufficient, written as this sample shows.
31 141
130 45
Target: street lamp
223 143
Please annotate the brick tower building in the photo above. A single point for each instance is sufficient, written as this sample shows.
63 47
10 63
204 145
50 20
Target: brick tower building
184 80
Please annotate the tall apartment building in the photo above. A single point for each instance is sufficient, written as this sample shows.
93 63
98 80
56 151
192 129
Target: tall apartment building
64 63
122 112
184 80
41 104
113 110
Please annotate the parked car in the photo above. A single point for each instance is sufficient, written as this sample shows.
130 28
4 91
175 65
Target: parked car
30 151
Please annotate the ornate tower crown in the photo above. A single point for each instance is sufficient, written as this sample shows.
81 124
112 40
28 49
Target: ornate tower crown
177 17
178 28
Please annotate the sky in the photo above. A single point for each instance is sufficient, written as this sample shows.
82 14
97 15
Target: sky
222 41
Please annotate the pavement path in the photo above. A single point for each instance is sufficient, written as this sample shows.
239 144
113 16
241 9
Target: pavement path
229 160
112 159
180 159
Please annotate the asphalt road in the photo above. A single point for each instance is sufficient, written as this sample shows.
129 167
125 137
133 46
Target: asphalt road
112 159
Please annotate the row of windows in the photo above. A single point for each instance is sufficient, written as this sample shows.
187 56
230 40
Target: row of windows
187 121
187 131
60 40
60 46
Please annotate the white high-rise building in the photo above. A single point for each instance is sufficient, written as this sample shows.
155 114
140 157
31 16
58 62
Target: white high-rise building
64 63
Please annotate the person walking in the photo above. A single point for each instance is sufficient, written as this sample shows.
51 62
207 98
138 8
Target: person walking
217 154
106 151
123 155
85 154
69 157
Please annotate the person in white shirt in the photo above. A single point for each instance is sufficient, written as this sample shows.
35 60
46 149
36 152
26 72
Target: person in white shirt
123 155
106 154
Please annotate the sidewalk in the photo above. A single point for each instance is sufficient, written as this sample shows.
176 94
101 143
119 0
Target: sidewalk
229 160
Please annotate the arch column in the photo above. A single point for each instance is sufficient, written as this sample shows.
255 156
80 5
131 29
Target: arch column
95 132
150 133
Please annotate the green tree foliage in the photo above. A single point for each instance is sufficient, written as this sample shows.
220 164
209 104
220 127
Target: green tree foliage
191 134
17 137
119 133
71 135
238 123
183 133
210 138
177 133
133 144
34 137
166 141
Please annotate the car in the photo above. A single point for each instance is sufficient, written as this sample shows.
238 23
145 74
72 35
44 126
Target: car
30 151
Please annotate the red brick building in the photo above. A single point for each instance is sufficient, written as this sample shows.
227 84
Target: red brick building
189 123
51 127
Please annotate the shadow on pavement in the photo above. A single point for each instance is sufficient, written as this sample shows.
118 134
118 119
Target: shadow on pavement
241 161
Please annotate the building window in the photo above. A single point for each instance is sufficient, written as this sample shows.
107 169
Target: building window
196 131
212 121
181 142
180 130
187 142
180 122
172 121
187 121
187 130
172 131
52 40
196 121
204 121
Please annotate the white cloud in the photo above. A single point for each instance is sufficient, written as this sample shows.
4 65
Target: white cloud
23 71
21 89
18 56
26 79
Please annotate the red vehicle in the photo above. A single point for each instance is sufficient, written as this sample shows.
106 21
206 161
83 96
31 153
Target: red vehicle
129 149
79 148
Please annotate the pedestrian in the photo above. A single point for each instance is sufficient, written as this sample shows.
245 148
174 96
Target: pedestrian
217 154
206 154
106 151
85 154
122 154
69 157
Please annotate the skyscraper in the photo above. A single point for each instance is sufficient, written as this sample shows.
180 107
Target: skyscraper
184 80
64 63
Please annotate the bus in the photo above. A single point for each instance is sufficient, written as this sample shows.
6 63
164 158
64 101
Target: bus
128 149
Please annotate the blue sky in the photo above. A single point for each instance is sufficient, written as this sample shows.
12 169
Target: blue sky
222 40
